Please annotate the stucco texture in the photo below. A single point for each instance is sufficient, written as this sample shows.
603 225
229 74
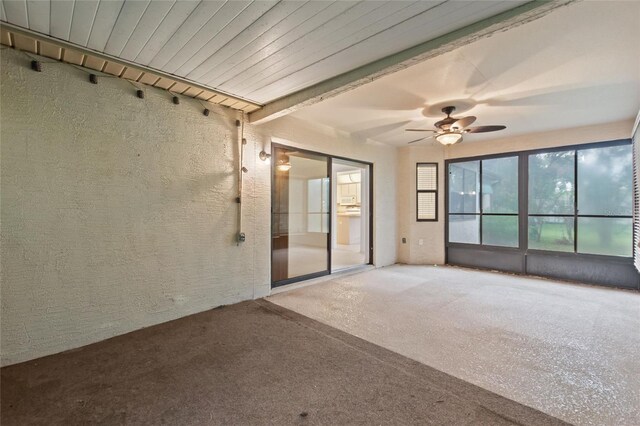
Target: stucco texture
118 213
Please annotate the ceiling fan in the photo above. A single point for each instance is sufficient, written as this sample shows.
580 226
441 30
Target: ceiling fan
449 130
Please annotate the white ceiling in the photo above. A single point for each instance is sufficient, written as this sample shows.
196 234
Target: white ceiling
258 50
579 65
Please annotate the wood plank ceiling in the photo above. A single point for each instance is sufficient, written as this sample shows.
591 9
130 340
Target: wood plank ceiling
257 51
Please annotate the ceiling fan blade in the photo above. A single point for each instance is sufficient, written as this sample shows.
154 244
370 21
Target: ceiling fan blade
485 129
463 122
420 130
421 139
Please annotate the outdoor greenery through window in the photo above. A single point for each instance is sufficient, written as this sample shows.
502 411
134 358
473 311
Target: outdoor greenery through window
483 202
578 200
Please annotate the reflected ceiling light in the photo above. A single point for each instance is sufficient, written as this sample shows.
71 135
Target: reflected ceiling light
449 138
283 166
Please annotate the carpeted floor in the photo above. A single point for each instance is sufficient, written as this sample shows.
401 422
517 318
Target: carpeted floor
250 363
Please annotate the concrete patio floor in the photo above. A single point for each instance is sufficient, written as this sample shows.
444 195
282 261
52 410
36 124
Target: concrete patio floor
566 349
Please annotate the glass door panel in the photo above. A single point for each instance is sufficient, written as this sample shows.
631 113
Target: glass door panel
301 215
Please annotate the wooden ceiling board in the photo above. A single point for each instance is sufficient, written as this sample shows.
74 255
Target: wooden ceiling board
311 69
50 50
146 27
258 51
103 23
164 83
132 74
330 12
250 108
94 63
149 78
178 87
84 13
178 14
192 92
187 30
210 32
206 95
385 43
25 43
127 20
347 35
5 37
113 68
61 13
263 23
309 38
227 102
210 72
72 56
39 12
16 11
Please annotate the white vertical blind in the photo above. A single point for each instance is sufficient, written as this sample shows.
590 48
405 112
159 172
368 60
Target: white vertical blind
636 200
427 188
427 177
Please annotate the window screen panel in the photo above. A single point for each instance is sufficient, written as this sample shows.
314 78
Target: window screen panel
464 187
605 181
427 177
427 206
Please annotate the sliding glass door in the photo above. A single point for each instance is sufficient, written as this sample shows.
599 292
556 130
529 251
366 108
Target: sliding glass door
301 215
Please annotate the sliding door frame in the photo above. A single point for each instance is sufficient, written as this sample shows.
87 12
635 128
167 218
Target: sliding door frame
330 158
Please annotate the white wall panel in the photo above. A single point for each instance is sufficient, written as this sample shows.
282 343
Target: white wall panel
264 24
150 21
177 16
320 34
103 23
39 12
214 70
129 17
324 15
84 13
230 20
16 11
61 15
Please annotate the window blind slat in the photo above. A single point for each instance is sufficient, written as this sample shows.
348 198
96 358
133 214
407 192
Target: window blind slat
426 205
636 202
427 177
427 191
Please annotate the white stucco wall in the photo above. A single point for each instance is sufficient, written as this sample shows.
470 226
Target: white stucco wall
118 213
432 251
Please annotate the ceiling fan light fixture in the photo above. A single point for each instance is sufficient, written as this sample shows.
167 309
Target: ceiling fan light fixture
449 138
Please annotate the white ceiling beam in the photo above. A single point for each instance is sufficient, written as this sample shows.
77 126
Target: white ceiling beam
406 58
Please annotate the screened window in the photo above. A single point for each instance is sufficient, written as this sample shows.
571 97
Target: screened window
581 201
427 192
483 202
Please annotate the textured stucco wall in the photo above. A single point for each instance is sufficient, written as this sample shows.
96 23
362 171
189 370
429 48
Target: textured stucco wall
432 251
118 213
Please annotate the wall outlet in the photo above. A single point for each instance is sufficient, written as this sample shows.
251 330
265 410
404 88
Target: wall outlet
420 242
